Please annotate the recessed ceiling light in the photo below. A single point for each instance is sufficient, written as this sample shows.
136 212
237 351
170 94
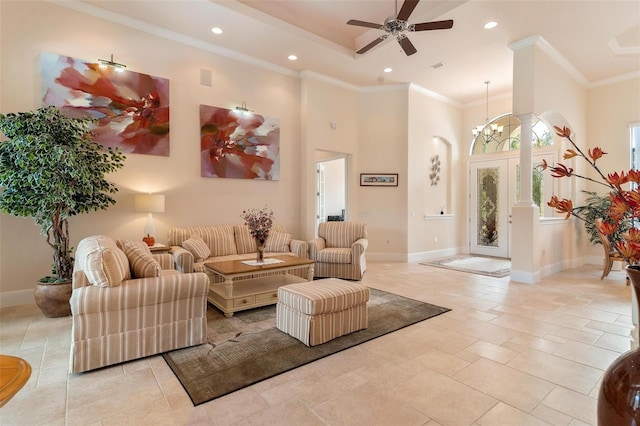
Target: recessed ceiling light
216 30
490 25
292 57
388 70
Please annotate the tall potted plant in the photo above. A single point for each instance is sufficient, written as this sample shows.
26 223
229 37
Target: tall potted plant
617 399
50 170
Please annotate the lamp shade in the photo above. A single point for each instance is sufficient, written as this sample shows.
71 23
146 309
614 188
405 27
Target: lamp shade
150 203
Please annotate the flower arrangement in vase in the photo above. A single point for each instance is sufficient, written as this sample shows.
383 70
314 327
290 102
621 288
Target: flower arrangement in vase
259 223
624 203
618 391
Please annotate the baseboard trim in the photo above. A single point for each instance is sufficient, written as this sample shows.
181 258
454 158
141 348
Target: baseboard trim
387 257
433 254
525 277
16 298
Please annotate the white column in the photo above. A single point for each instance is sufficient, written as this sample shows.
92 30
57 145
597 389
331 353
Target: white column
526 163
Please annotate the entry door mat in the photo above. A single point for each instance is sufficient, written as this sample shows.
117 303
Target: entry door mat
248 348
483 265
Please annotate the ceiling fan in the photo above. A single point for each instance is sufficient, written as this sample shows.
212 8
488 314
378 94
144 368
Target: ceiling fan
396 25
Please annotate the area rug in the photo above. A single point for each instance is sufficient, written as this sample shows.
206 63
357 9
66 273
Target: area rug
483 265
247 348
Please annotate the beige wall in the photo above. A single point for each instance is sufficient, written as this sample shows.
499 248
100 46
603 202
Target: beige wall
428 235
611 109
324 103
28 28
383 149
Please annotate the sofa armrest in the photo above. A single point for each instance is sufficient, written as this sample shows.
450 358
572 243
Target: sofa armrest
183 259
358 249
140 292
315 246
299 247
165 260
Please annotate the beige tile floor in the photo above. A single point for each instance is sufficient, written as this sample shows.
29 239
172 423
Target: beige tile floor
507 354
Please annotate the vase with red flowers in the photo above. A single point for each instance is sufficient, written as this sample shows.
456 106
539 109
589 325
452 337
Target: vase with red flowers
259 223
619 391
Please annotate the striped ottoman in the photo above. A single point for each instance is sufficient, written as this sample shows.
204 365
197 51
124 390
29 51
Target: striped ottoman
317 311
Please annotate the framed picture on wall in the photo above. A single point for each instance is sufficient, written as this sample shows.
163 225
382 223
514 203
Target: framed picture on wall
378 179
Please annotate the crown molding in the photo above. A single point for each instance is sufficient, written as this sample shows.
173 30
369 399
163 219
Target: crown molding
331 80
170 35
544 45
616 79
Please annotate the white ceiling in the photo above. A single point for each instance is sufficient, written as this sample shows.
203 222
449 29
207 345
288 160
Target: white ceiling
597 40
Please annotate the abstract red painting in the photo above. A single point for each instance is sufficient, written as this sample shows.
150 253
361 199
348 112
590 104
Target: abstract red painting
131 109
238 144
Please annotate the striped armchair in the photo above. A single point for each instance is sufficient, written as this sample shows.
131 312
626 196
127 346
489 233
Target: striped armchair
125 305
339 250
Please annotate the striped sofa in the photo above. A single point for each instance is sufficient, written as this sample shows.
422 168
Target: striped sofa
127 303
339 250
192 246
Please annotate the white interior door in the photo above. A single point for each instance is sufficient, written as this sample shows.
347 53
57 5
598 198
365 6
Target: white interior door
490 206
320 195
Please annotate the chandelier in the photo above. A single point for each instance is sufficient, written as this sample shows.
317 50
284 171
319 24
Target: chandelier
487 131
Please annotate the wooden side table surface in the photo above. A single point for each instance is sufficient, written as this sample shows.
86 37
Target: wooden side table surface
14 373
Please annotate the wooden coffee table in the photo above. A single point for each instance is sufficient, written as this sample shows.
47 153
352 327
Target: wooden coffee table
259 283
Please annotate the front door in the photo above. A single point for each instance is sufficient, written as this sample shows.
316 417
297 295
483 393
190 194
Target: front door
490 208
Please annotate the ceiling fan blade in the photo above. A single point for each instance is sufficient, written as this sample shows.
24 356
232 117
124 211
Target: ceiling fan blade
406 9
435 25
373 44
364 24
407 46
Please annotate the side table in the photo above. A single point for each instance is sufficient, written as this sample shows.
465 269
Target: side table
159 248
14 373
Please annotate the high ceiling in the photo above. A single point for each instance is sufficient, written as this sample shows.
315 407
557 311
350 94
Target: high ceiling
596 40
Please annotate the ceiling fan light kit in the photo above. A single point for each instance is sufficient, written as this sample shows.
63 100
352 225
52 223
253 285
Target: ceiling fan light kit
397 25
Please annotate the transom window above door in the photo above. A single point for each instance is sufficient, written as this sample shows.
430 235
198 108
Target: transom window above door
502 134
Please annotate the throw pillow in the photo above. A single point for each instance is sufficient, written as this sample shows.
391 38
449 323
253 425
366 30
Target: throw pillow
278 242
196 245
104 264
124 244
142 263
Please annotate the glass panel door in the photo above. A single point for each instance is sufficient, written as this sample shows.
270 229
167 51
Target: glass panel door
490 206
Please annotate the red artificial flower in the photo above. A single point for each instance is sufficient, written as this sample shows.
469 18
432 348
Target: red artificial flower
561 171
570 153
605 228
561 206
543 165
596 153
564 132
616 179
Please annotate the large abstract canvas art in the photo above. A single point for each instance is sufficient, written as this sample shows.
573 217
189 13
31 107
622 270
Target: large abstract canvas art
238 144
131 109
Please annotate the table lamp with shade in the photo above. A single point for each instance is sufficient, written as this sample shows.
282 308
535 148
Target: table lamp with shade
150 203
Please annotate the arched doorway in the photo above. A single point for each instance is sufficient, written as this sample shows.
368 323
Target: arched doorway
494 165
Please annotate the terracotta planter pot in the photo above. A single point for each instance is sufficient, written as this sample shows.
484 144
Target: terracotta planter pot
53 299
619 398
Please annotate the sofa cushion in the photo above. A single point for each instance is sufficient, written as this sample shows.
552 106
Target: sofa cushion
245 243
142 263
334 255
198 248
219 238
278 242
123 244
103 263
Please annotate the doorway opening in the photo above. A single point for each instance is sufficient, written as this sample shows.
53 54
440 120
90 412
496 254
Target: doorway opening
331 187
